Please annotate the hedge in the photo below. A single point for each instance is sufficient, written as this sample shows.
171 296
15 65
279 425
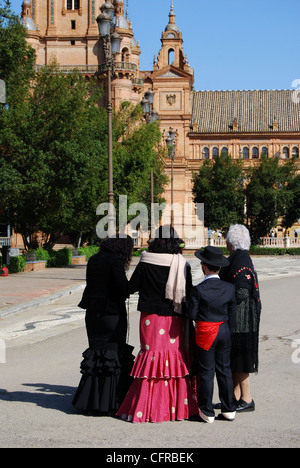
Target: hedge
54 258
257 250
63 257
17 264
88 251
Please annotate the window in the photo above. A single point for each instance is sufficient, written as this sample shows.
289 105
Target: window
125 55
72 4
265 152
171 57
72 42
286 153
254 152
205 153
224 152
215 153
73 24
295 152
245 153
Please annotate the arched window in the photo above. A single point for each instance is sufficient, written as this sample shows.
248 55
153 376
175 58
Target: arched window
171 57
286 153
205 153
265 152
215 153
125 55
255 152
224 151
295 152
245 152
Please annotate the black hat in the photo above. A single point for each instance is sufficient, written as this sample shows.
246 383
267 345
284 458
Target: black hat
212 256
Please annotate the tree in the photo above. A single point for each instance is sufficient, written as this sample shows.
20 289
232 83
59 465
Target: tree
17 57
219 185
292 206
268 194
137 151
53 156
53 146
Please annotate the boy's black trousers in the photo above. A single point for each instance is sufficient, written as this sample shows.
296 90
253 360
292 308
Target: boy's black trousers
215 360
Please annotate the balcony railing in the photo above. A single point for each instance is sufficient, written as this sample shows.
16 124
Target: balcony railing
124 66
137 81
85 69
91 69
279 242
196 243
5 242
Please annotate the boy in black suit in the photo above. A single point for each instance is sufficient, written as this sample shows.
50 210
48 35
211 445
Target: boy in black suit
212 307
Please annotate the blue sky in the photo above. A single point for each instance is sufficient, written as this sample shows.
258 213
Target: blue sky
231 44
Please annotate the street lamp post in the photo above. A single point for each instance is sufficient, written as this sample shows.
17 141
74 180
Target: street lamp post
150 115
111 46
171 144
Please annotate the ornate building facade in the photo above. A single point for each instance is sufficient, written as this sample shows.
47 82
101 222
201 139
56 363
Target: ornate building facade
244 124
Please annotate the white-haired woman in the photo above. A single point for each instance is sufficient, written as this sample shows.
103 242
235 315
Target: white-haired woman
244 352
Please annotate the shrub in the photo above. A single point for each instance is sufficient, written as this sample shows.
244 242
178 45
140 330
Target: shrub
88 251
60 258
17 264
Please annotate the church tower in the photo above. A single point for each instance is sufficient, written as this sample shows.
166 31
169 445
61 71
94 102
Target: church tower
172 81
171 52
66 31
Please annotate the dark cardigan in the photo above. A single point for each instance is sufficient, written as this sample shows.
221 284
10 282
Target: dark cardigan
150 281
107 285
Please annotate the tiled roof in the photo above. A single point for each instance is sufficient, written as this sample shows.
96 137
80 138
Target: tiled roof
245 111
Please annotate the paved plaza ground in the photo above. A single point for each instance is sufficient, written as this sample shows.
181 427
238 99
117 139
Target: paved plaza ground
44 336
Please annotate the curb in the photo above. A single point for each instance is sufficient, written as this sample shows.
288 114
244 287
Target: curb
41 301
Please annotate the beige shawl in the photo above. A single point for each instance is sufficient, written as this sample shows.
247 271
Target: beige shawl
176 284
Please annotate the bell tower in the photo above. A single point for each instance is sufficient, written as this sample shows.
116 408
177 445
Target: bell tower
172 84
171 52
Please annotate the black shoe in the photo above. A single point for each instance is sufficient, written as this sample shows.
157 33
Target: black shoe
218 405
244 406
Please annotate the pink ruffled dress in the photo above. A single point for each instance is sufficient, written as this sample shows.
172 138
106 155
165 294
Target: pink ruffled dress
161 390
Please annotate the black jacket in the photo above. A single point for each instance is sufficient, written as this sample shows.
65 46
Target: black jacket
235 273
150 281
213 300
106 285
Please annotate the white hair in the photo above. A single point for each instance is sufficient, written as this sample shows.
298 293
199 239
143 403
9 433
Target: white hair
239 237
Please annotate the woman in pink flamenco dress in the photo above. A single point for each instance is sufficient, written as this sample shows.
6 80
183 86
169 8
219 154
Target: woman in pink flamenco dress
161 390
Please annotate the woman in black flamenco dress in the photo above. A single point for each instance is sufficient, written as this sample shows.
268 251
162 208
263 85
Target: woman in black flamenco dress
108 360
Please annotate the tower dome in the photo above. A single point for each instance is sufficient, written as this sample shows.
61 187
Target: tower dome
28 24
26 16
172 26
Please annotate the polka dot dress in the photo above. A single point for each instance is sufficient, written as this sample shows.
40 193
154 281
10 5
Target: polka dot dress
161 390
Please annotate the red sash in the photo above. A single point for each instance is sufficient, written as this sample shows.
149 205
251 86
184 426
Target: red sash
206 333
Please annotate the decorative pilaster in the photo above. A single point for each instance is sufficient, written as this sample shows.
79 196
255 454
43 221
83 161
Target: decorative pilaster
51 26
92 15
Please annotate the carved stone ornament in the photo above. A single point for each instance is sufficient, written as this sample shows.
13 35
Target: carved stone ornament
171 99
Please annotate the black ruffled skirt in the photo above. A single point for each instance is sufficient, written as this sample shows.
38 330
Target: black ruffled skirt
106 365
